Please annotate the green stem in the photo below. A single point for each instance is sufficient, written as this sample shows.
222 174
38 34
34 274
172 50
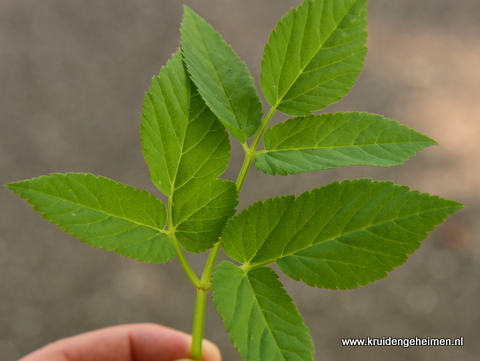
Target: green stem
207 272
251 152
203 285
183 261
181 257
200 304
198 324
264 125
247 162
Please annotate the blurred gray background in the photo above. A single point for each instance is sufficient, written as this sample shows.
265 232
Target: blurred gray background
72 79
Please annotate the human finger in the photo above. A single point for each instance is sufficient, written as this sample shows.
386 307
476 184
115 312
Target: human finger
135 342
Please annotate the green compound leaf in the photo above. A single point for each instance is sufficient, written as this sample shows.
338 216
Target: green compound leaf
333 140
260 316
338 236
200 211
102 213
314 55
221 77
182 139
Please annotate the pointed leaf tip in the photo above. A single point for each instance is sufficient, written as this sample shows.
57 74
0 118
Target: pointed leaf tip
102 213
221 77
329 141
338 236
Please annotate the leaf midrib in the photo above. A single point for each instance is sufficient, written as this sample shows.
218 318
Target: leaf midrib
262 263
265 319
342 146
97 210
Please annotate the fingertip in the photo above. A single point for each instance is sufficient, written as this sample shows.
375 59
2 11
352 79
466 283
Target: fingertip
210 351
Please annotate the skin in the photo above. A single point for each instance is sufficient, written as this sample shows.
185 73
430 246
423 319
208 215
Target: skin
135 342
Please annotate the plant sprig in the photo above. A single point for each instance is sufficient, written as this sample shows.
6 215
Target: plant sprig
339 236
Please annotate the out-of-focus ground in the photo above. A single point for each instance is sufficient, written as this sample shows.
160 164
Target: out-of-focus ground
72 79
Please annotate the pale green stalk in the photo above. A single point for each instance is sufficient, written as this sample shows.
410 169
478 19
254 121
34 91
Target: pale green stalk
181 257
198 324
251 152
203 285
200 304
